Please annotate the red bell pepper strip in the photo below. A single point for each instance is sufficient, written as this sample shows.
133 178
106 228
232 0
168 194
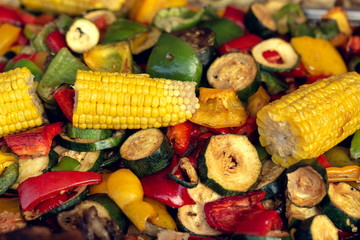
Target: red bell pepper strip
258 222
65 100
314 78
352 46
52 203
179 136
22 39
28 18
2 67
236 15
322 159
55 40
242 44
24 55
272 57
225 130
34 142
35 190
298 72
224 213
165 190
44 18
10 15
249 128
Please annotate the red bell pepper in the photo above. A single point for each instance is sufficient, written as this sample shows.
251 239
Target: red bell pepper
2 67
52 203
28 18
22 39
65 100
34 142
225 130
272 57
249 128
10 15
258 222
298 72
160 187
352 46
236 15
242 44
35 190
224 213
44 18
322 159
313 78
55 40
179 136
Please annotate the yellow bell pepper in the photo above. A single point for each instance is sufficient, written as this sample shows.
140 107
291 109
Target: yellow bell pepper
319 56
342 174
163 218
257 101
101 187
125 189
8 39
219 108
339 15
6 159
143 11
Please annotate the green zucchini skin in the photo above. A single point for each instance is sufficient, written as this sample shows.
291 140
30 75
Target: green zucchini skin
252 237
8 177
89 134
153 163
277 187
273 85
34 217
255 25
53 160
90 146
113 209
245 93
181 182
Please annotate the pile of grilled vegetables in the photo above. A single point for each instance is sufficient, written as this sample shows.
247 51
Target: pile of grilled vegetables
158 119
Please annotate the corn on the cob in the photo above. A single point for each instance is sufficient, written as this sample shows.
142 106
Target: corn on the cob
20 108
72 7
311 120
119 101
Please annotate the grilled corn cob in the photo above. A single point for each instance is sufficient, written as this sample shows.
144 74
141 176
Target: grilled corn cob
20 108
119 101
311 120
72 7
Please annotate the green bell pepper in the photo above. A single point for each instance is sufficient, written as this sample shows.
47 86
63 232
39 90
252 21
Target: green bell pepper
66 164
35 70
174 58
123 29
38 43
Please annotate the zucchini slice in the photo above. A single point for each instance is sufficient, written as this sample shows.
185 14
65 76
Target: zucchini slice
146 152
289 57
229 164
307 183
89 161
189 173
273 85
84 145
236 70
272 235
342 206
258 20
295 214
272 179
89 134
106 208
83 35
317 227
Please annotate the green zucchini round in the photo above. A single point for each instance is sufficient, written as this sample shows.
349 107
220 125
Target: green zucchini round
290 58
307 183
146 152
229 164
89 134
8 177
341 205
236 70
258 20
83 145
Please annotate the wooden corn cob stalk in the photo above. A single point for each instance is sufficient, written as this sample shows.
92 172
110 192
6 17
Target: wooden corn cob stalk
119 101
311 120
20 107
72 7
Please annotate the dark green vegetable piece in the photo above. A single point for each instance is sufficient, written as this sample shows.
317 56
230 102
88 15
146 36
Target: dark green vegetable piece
66 164
174 58
63 22
355 145
273 85
8 177
38 43
123 29
289 14
354 64
62 69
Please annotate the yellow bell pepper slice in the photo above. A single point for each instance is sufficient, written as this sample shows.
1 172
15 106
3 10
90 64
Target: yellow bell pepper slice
125 188
101 187
219 108
8 39
163 218
257 101
319 56
343 174
6 159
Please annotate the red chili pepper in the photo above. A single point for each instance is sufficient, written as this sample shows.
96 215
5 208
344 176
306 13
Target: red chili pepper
35 190
34 142
272 56
258 222
224 213
165 190
65 100
314 78
298 72
242 44
322 159
10 15
56 40
179 136
236 15
248 128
